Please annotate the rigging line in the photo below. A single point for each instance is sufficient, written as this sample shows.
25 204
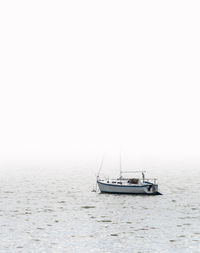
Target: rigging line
101 165
120 165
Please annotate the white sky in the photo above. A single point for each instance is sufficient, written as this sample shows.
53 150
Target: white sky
80 78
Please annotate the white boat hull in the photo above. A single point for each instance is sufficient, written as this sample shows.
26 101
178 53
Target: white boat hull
127 189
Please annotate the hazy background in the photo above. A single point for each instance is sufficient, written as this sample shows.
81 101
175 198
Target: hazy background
80 78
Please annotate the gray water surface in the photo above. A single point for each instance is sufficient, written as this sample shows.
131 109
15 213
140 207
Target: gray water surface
55 211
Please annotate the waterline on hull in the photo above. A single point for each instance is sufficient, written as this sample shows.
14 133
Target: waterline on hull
126 193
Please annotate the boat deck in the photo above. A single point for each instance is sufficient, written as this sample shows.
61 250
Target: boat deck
126 182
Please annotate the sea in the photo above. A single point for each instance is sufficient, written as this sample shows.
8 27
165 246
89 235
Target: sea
56 211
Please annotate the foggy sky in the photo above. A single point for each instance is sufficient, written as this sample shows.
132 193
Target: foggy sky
81 78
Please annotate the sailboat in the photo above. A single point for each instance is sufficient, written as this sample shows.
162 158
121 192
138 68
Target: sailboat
128 185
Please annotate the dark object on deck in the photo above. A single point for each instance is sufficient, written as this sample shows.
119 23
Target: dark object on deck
133 181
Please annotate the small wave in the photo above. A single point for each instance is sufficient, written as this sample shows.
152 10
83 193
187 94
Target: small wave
87 207
48 210
105 221
36 240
